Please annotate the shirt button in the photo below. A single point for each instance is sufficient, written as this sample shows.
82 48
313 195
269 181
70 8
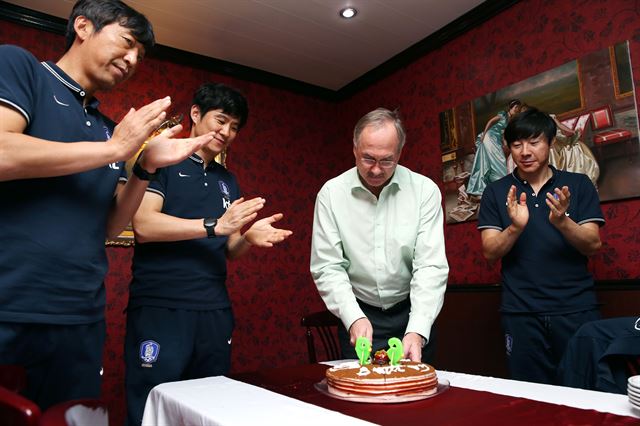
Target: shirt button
89 123
533 194
82 93
525 182
536 205
206 184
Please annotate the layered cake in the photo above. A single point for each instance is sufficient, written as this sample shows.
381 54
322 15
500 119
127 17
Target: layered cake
405 379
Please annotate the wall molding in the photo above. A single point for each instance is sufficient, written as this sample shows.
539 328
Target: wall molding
600 285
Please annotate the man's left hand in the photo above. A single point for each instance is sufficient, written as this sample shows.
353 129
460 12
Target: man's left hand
558 203
262 234
412 344
163 150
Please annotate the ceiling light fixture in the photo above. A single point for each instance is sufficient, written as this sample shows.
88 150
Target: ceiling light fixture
348 12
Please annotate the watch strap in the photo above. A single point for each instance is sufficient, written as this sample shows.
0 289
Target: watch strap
141 173
210 226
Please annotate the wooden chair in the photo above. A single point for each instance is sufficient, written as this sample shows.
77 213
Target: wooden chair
16 410
324 324
56 414
13 377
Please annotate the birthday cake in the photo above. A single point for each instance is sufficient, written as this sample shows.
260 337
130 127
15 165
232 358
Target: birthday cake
405 378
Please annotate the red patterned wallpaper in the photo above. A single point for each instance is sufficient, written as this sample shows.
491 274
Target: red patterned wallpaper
293 143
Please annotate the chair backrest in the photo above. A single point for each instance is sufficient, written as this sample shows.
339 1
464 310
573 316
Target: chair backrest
13 377
323 324
76 412
16 410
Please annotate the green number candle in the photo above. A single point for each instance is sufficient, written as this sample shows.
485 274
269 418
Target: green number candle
363 349
395 351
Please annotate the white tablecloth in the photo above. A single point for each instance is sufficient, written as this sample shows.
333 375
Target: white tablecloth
222 401
579 398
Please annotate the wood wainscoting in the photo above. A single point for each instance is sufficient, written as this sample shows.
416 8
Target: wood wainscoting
469 335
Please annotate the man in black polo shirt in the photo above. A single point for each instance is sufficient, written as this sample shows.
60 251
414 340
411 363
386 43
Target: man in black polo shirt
179 320
63 191
542 223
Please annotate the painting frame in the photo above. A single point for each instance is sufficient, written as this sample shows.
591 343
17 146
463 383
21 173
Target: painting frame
575 92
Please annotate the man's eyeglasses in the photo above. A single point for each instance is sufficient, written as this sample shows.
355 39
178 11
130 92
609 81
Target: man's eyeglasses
384 164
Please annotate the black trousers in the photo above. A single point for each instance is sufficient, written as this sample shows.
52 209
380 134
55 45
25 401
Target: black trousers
535 343
166 345
63 362
386 324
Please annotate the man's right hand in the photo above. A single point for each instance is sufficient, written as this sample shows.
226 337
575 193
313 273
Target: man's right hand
239 213
360 327
129 135
517 209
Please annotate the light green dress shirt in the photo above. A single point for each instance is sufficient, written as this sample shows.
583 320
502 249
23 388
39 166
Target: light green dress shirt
380 250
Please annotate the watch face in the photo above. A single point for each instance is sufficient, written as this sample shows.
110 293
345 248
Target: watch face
210 222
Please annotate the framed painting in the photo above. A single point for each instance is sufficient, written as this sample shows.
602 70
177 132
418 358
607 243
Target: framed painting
591 99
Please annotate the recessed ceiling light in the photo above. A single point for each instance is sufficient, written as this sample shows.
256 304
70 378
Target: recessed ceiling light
348 12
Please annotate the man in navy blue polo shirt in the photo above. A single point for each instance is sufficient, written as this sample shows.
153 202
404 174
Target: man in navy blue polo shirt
63 191
542 223
179 320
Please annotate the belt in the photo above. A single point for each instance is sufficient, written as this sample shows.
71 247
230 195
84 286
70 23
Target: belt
404 304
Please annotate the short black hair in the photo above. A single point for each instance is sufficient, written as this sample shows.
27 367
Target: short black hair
105 12
212 96
530 124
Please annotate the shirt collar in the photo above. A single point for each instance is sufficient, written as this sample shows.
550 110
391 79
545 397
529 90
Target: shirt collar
396 180
552 179
197 159
74 87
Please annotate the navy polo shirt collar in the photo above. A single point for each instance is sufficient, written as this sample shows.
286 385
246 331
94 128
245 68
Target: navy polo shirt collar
523 182
197 159
70 83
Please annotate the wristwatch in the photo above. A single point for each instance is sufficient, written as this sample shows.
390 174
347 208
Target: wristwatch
210 225
142 174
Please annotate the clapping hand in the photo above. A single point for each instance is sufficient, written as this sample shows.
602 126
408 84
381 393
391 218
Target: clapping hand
136 126
263 234
164 150
239 213
558 203
517 209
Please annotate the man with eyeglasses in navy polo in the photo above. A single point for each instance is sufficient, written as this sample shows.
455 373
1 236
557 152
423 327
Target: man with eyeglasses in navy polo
377 251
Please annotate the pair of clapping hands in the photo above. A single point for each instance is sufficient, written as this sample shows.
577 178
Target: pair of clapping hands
558 203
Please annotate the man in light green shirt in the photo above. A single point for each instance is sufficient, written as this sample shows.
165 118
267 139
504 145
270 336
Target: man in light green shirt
377 251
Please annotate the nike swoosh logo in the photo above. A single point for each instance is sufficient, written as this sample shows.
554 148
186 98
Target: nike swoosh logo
58 102
183 175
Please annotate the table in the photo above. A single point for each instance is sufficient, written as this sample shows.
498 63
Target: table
286 396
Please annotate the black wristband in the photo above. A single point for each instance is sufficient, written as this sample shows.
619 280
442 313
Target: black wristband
141 173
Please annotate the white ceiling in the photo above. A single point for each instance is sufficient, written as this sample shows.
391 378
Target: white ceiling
304 40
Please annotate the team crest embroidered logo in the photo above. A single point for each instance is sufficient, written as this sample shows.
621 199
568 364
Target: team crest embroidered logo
149 351
224 189
508 343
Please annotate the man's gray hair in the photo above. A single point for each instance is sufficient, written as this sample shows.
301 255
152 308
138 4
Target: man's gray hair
377 118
